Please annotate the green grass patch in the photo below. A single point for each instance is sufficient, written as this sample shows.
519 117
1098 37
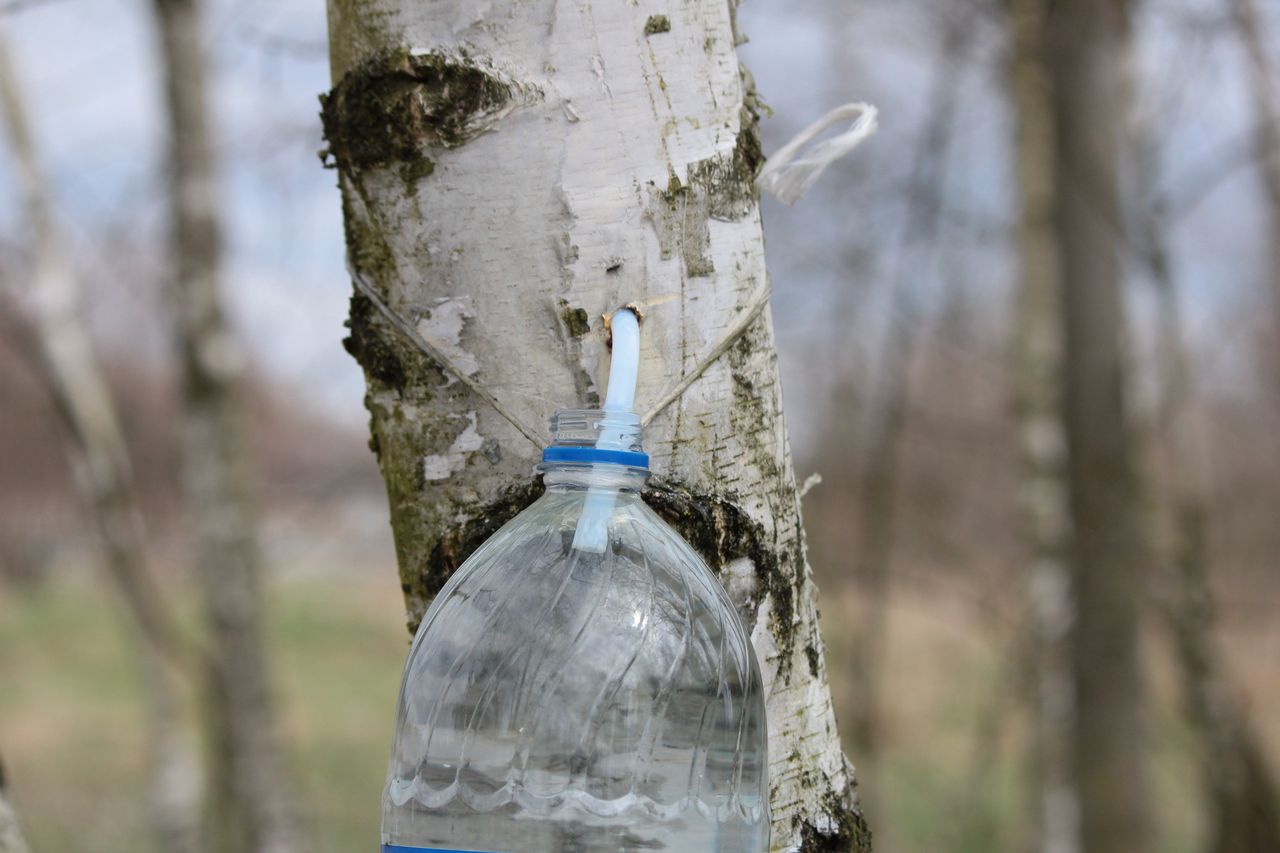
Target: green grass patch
71 712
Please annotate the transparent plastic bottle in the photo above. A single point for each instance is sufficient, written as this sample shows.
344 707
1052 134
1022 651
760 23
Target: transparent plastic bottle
561 696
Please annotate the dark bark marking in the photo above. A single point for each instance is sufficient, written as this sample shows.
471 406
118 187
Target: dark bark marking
721 532
391 107
730 182
849 832
721 187
379 360
459 541
811 654
657 24
575 324
576 320
680 214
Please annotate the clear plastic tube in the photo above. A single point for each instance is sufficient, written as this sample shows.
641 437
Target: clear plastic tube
592 535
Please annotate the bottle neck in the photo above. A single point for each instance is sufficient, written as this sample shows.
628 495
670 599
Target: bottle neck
595 449
572 477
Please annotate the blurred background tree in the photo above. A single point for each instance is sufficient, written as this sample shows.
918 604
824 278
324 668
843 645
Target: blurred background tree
1030 160
248 808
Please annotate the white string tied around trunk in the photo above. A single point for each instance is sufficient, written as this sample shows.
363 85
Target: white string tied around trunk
789 174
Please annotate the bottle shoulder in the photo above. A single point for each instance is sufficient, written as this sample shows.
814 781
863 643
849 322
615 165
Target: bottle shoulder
560 670
633 520
649 601
642 549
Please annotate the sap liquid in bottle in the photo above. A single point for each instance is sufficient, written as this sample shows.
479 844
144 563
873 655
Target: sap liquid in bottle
582 683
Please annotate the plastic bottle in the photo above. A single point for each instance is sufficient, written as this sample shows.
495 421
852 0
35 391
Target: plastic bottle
582 683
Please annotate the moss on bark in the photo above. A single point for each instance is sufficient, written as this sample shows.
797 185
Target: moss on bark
844 829
457 542
680 217
720 187
576 320
657 24
394 106
722 532
729 182
379 359
389 361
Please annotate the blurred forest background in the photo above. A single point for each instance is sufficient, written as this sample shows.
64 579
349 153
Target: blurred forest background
920 275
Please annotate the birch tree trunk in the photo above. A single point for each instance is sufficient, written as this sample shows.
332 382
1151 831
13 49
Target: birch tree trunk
1036 369
508 174
11 837
1239 784
103 476
1241 789
249 812
1088 56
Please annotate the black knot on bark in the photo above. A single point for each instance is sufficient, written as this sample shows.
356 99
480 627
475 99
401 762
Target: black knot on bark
392 108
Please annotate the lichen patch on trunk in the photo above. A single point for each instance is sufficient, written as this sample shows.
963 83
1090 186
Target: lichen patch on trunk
680 214
657 24
576 320
729 181
720 187
390 362
441 466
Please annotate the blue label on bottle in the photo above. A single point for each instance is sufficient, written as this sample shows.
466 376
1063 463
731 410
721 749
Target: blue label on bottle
396 848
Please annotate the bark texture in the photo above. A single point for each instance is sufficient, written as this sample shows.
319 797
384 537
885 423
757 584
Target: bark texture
96 450
509 174
248 808
1088 55
1043 498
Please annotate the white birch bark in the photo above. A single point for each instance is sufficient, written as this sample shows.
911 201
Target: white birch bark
11 840
511 172
11 837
